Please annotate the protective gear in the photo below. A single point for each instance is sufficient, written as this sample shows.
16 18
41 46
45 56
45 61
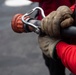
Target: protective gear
61 18
47 44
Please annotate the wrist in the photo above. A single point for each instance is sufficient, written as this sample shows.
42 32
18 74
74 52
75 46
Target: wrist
52 49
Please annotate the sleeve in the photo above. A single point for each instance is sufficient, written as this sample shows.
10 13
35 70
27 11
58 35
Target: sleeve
35 0
73 7
67 54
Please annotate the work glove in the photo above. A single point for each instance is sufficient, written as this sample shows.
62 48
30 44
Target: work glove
47 45
56 20
51 24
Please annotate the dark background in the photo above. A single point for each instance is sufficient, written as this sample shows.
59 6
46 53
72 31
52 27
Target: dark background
19 53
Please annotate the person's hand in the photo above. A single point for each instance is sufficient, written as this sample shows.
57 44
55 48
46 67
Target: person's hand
47 44
61 18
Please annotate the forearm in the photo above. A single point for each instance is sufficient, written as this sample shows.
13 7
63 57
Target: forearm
67 54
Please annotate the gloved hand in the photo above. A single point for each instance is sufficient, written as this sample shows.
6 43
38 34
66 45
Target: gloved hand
47 45
61 18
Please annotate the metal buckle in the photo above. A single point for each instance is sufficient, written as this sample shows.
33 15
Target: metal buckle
29 13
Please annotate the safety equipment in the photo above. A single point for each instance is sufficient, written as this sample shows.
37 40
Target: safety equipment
24 23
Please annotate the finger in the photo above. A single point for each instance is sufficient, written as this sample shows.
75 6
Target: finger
47 21
46 25
64 9
50 18
62 13
67 22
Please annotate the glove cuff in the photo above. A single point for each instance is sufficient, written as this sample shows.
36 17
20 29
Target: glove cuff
52 49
